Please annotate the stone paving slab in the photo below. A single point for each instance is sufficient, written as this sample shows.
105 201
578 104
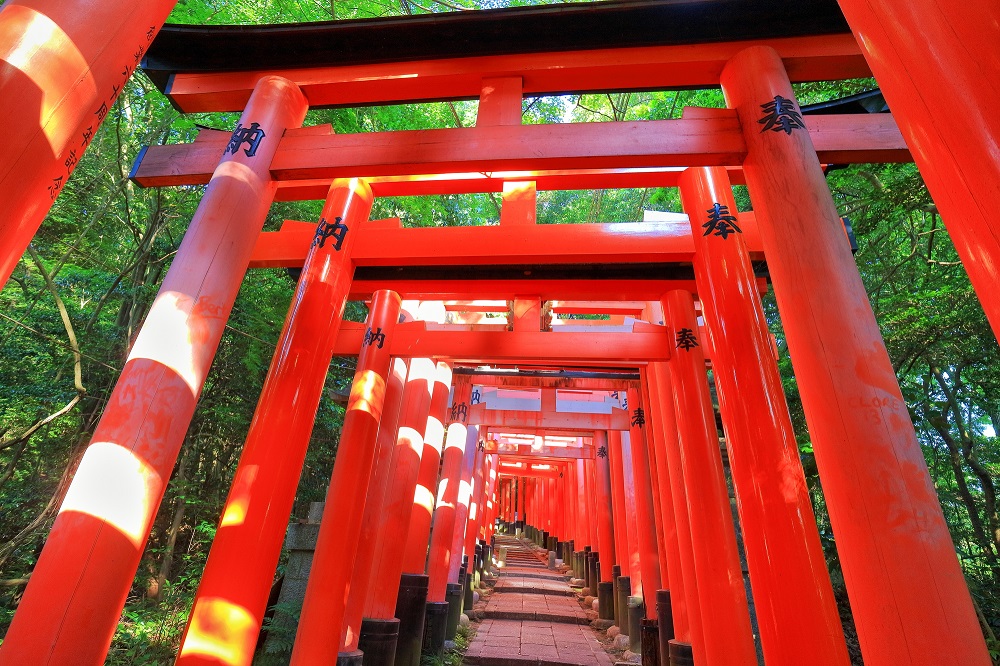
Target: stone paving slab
520 606
534 643
526 585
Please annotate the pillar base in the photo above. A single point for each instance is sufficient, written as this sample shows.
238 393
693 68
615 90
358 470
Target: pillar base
622 593
636 611
680 654
435 628
606 600
352 658
377 641
411 606
650 640
454 596
665 623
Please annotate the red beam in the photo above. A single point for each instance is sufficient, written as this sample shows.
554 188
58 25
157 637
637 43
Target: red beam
821 58
315 153
618 419
381 245
581 383
412 339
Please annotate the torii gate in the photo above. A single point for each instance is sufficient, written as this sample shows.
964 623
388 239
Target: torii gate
892 538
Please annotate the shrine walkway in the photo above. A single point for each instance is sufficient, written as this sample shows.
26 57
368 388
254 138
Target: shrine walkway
533 617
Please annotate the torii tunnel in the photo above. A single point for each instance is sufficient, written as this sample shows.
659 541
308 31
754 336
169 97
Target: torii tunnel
480 404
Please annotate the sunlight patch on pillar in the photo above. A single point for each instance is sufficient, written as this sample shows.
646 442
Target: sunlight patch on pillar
113 485
239 497
168 336
219 630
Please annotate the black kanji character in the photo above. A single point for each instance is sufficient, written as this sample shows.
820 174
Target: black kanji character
639 417
780 115
376 337
477 397
721 221
460 412
337 230
102 112
252 135
88 134
602 452
686 339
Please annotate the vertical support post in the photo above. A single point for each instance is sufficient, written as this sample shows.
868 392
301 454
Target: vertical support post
465 492
388 563
477 507
72 604
325 602
797 612
892 537
672 533
954 60
649 557
682 511
622 450
255 516
374 506
62 66
419 532
605 508
439 561
653 423
618 501
725 615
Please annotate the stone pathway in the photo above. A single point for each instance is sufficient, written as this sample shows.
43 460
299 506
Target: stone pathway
533 618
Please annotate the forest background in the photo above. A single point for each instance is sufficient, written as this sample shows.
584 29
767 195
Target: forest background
79 295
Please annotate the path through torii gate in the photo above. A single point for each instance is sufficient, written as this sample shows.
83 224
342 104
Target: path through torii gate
641 486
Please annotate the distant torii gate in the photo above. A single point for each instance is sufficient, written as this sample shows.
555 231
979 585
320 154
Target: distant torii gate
891 535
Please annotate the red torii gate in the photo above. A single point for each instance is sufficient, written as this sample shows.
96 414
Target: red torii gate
872 468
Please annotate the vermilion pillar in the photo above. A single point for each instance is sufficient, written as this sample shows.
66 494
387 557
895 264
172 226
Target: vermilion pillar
395 521
255 516
681 512
618 500
605 508
374 506
666 431
325 602
653 423
796 611
62 66
621 450
718 575
464 502
418 535
649 557
71 606
955 60
476 507
439 560
892 538
580 491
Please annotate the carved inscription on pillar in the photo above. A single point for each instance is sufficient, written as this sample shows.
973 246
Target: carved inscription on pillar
336 230
780 115
252 136
721 221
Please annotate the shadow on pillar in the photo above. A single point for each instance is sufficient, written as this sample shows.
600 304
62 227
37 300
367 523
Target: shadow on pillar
411 608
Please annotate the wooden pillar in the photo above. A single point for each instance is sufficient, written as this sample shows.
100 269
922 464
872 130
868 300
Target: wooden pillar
719 577
330 575
892 538
464 502
653 423
623 451
62 66
395 521
374 506
418 535
666 431
71 606
649 558
618 500
797 613
255 516
476 508
955 61
683 506
605 507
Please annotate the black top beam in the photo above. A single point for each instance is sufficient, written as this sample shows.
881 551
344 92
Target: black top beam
569 27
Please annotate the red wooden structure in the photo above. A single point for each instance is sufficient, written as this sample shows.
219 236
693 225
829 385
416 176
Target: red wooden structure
541 437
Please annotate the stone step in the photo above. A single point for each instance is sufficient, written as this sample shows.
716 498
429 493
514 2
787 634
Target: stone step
533 643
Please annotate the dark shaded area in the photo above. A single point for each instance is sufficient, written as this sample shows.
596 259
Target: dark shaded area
468 274
578 26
